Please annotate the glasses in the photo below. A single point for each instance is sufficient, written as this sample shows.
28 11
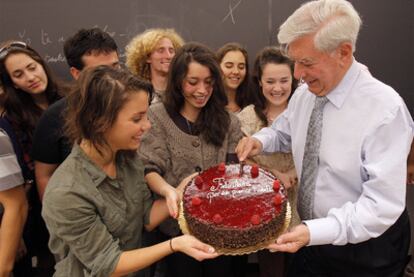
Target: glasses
4 51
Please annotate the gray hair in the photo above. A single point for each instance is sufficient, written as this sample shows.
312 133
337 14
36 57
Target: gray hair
332 21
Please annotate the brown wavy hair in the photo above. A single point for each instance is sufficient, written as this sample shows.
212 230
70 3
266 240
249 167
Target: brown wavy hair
94 104
213 121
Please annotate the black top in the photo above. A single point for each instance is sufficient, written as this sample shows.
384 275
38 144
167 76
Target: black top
49 142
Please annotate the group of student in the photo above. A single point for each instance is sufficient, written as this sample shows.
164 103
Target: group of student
192 129
104 161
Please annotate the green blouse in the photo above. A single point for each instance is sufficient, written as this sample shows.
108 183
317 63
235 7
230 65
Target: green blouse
92 218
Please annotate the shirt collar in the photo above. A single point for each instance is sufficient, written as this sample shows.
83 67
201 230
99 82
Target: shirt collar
95 173
338 95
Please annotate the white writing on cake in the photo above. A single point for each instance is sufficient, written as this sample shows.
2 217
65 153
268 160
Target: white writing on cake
236 188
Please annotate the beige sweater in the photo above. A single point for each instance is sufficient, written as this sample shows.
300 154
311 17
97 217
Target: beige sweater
283 162
175 154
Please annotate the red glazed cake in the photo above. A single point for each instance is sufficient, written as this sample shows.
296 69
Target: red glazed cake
231 210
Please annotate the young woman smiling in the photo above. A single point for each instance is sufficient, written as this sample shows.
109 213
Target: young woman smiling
191 131
29 88
274 84
97 203
234 65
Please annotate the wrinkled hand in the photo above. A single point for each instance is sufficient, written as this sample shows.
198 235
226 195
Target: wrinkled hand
248 147
292 240
193 247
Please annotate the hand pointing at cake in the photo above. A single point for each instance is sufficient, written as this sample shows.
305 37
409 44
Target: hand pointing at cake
292 240
247 147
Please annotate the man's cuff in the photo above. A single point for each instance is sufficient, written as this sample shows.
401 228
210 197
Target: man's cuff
322 230
262 139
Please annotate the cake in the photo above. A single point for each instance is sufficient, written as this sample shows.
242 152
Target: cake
231 208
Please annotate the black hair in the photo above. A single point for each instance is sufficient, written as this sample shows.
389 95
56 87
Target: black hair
85 42
213 120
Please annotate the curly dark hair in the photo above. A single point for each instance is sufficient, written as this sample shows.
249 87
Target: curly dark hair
213 121
268 55
244 95
19 106
86 41
96 100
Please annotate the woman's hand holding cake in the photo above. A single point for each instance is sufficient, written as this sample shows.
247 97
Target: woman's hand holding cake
193 247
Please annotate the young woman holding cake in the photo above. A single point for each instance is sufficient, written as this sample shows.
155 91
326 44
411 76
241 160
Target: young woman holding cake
191 131
274 83
234 65
96 203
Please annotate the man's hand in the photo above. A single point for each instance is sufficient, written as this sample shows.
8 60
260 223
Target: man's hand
291 241
248 147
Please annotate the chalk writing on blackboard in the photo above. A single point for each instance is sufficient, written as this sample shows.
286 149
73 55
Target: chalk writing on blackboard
22 35
231 10
44 38
55 59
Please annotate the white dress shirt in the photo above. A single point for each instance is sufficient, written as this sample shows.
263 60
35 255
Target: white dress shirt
366 137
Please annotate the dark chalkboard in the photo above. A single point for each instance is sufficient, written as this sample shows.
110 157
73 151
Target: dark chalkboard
386 43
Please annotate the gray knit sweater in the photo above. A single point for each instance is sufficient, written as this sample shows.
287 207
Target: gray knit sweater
175 154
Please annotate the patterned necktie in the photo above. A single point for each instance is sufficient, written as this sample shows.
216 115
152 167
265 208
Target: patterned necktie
311 160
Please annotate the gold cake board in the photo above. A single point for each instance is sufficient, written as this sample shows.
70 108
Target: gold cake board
238 251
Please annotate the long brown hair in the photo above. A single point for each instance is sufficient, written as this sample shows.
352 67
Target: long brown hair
94 104
268 55
19 107
244 95
213 120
